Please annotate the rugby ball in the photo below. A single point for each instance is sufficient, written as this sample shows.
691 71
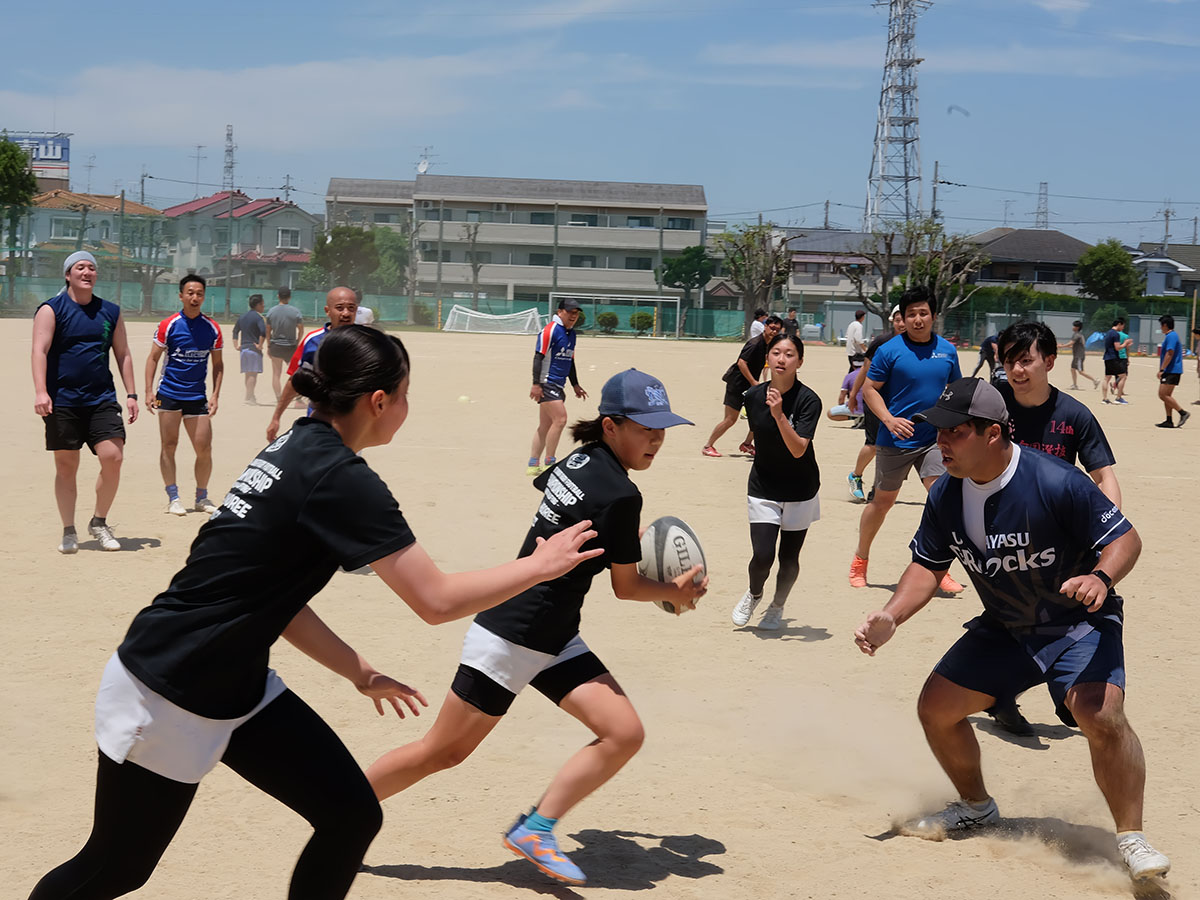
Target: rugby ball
669 548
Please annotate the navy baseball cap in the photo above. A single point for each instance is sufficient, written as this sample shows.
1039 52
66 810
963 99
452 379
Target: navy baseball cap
963 400
570 304
641 397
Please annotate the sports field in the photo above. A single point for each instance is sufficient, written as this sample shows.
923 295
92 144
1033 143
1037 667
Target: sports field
775 763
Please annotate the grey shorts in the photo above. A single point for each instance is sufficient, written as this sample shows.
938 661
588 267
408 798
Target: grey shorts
892 465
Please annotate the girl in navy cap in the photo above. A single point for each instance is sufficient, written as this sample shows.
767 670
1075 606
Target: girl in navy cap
533 638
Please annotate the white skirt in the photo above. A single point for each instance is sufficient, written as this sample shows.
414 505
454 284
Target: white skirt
789 515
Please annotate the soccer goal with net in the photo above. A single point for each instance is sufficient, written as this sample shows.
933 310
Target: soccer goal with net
650 316
461 318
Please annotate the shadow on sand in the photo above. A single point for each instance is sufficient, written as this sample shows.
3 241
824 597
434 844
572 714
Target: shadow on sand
129 544
616 860
806 633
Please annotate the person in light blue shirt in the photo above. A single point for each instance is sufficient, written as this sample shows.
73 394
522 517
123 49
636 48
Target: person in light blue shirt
1170 370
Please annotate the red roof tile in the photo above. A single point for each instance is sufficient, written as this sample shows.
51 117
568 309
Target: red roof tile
204 202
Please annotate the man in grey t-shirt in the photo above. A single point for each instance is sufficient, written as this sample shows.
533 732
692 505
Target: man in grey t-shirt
1078 347
283 334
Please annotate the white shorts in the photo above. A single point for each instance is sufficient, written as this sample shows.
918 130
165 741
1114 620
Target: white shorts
510 665
790 515
134 723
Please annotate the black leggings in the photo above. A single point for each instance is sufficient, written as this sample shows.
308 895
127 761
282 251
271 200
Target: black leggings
288 752
762 545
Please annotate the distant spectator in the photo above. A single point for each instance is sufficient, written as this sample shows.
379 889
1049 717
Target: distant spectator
856 344
283 335
1170 370
756 327
791 325
249 333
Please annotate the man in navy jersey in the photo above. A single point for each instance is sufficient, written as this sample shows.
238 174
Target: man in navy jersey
553 365
1116 367
1170 370
907 374
73 392
1043 418
189 339
341 308
1044 548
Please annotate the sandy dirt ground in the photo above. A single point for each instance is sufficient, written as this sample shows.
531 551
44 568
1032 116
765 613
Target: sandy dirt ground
775 763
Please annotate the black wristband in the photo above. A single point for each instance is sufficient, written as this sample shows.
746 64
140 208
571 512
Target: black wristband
1103 576
131 396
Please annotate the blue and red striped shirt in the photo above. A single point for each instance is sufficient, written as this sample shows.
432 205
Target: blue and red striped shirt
188 343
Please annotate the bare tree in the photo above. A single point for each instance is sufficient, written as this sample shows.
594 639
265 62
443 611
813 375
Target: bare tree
471 236
757 262
946 268
890 245
144 247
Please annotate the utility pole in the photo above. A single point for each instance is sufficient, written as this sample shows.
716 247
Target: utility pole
120 245
287 188
934 212
1195 225
894 185
91 164
197 156
1166 212
142 193
1007 204
826 215
227 183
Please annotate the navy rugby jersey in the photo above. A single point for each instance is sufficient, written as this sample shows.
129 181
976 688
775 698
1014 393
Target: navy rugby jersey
556 343
1062 427
1046 525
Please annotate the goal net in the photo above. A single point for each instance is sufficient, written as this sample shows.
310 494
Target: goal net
461 318
639 316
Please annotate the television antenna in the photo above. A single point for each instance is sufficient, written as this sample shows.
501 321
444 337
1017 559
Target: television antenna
425 163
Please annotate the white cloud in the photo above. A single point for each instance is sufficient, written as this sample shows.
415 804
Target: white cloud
487 17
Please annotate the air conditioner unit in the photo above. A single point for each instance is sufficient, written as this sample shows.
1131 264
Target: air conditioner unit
426 204
499 207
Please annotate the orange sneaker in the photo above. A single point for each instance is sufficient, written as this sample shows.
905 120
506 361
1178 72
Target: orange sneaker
949 585
858 572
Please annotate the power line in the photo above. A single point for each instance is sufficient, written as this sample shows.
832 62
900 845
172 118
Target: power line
980 187
249 187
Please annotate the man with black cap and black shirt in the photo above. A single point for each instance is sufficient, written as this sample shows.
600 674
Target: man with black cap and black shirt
553 364
1044 555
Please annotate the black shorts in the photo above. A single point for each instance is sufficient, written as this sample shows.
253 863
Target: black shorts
870 426
857 360
187 407
553 392
1169 378
1116 366
281 351
70 427
735 396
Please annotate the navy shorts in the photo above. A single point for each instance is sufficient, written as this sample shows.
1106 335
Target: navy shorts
187 407
70 427
988 659
553 392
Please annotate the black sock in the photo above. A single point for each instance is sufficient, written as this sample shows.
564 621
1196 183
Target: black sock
68 529
96 522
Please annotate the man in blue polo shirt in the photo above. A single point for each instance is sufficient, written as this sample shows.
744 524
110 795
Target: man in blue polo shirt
1043 547
73 393
189 338
1170 370
907 374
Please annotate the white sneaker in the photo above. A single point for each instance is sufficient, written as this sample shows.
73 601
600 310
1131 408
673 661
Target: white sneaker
205 505
69 544
104 535
1142 860
959 815
745 609
176 507
772 619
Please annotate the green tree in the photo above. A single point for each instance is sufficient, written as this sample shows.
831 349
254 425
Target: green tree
1107 273
18 187
391 275
691 270
757 262
144 242
346 253
641 322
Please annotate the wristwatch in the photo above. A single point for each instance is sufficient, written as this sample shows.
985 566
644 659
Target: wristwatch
131 396
1103 576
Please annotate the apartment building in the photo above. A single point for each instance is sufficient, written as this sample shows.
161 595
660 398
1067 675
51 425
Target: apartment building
522 238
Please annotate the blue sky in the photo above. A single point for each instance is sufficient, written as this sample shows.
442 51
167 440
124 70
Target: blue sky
770 105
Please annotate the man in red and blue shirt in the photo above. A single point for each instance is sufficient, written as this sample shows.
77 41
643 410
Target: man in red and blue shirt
189 339
553 364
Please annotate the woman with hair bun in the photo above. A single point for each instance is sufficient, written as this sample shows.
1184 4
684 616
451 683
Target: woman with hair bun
190 685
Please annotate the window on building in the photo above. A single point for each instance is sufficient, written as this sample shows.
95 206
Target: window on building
584 219
483 257
287 238
430 254
680 224
1051 277
639 222
386 218
432 215
473 215
541 259
639 262
64 228
541 218
582 262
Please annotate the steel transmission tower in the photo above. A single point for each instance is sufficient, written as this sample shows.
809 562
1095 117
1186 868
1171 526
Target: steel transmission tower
894 188
230 146
1041 219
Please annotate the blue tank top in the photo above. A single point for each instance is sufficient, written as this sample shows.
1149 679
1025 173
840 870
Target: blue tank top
77 372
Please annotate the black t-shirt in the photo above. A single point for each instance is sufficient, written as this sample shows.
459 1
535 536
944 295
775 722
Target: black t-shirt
791 326
988 350
754 352
1062 427
589 484
304 506
776 474
876 343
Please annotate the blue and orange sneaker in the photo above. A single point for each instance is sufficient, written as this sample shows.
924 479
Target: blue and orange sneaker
541 849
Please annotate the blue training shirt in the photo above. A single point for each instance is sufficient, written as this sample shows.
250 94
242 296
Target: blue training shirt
188 343
1046 525
77 372
557 345
913 376
1171 342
